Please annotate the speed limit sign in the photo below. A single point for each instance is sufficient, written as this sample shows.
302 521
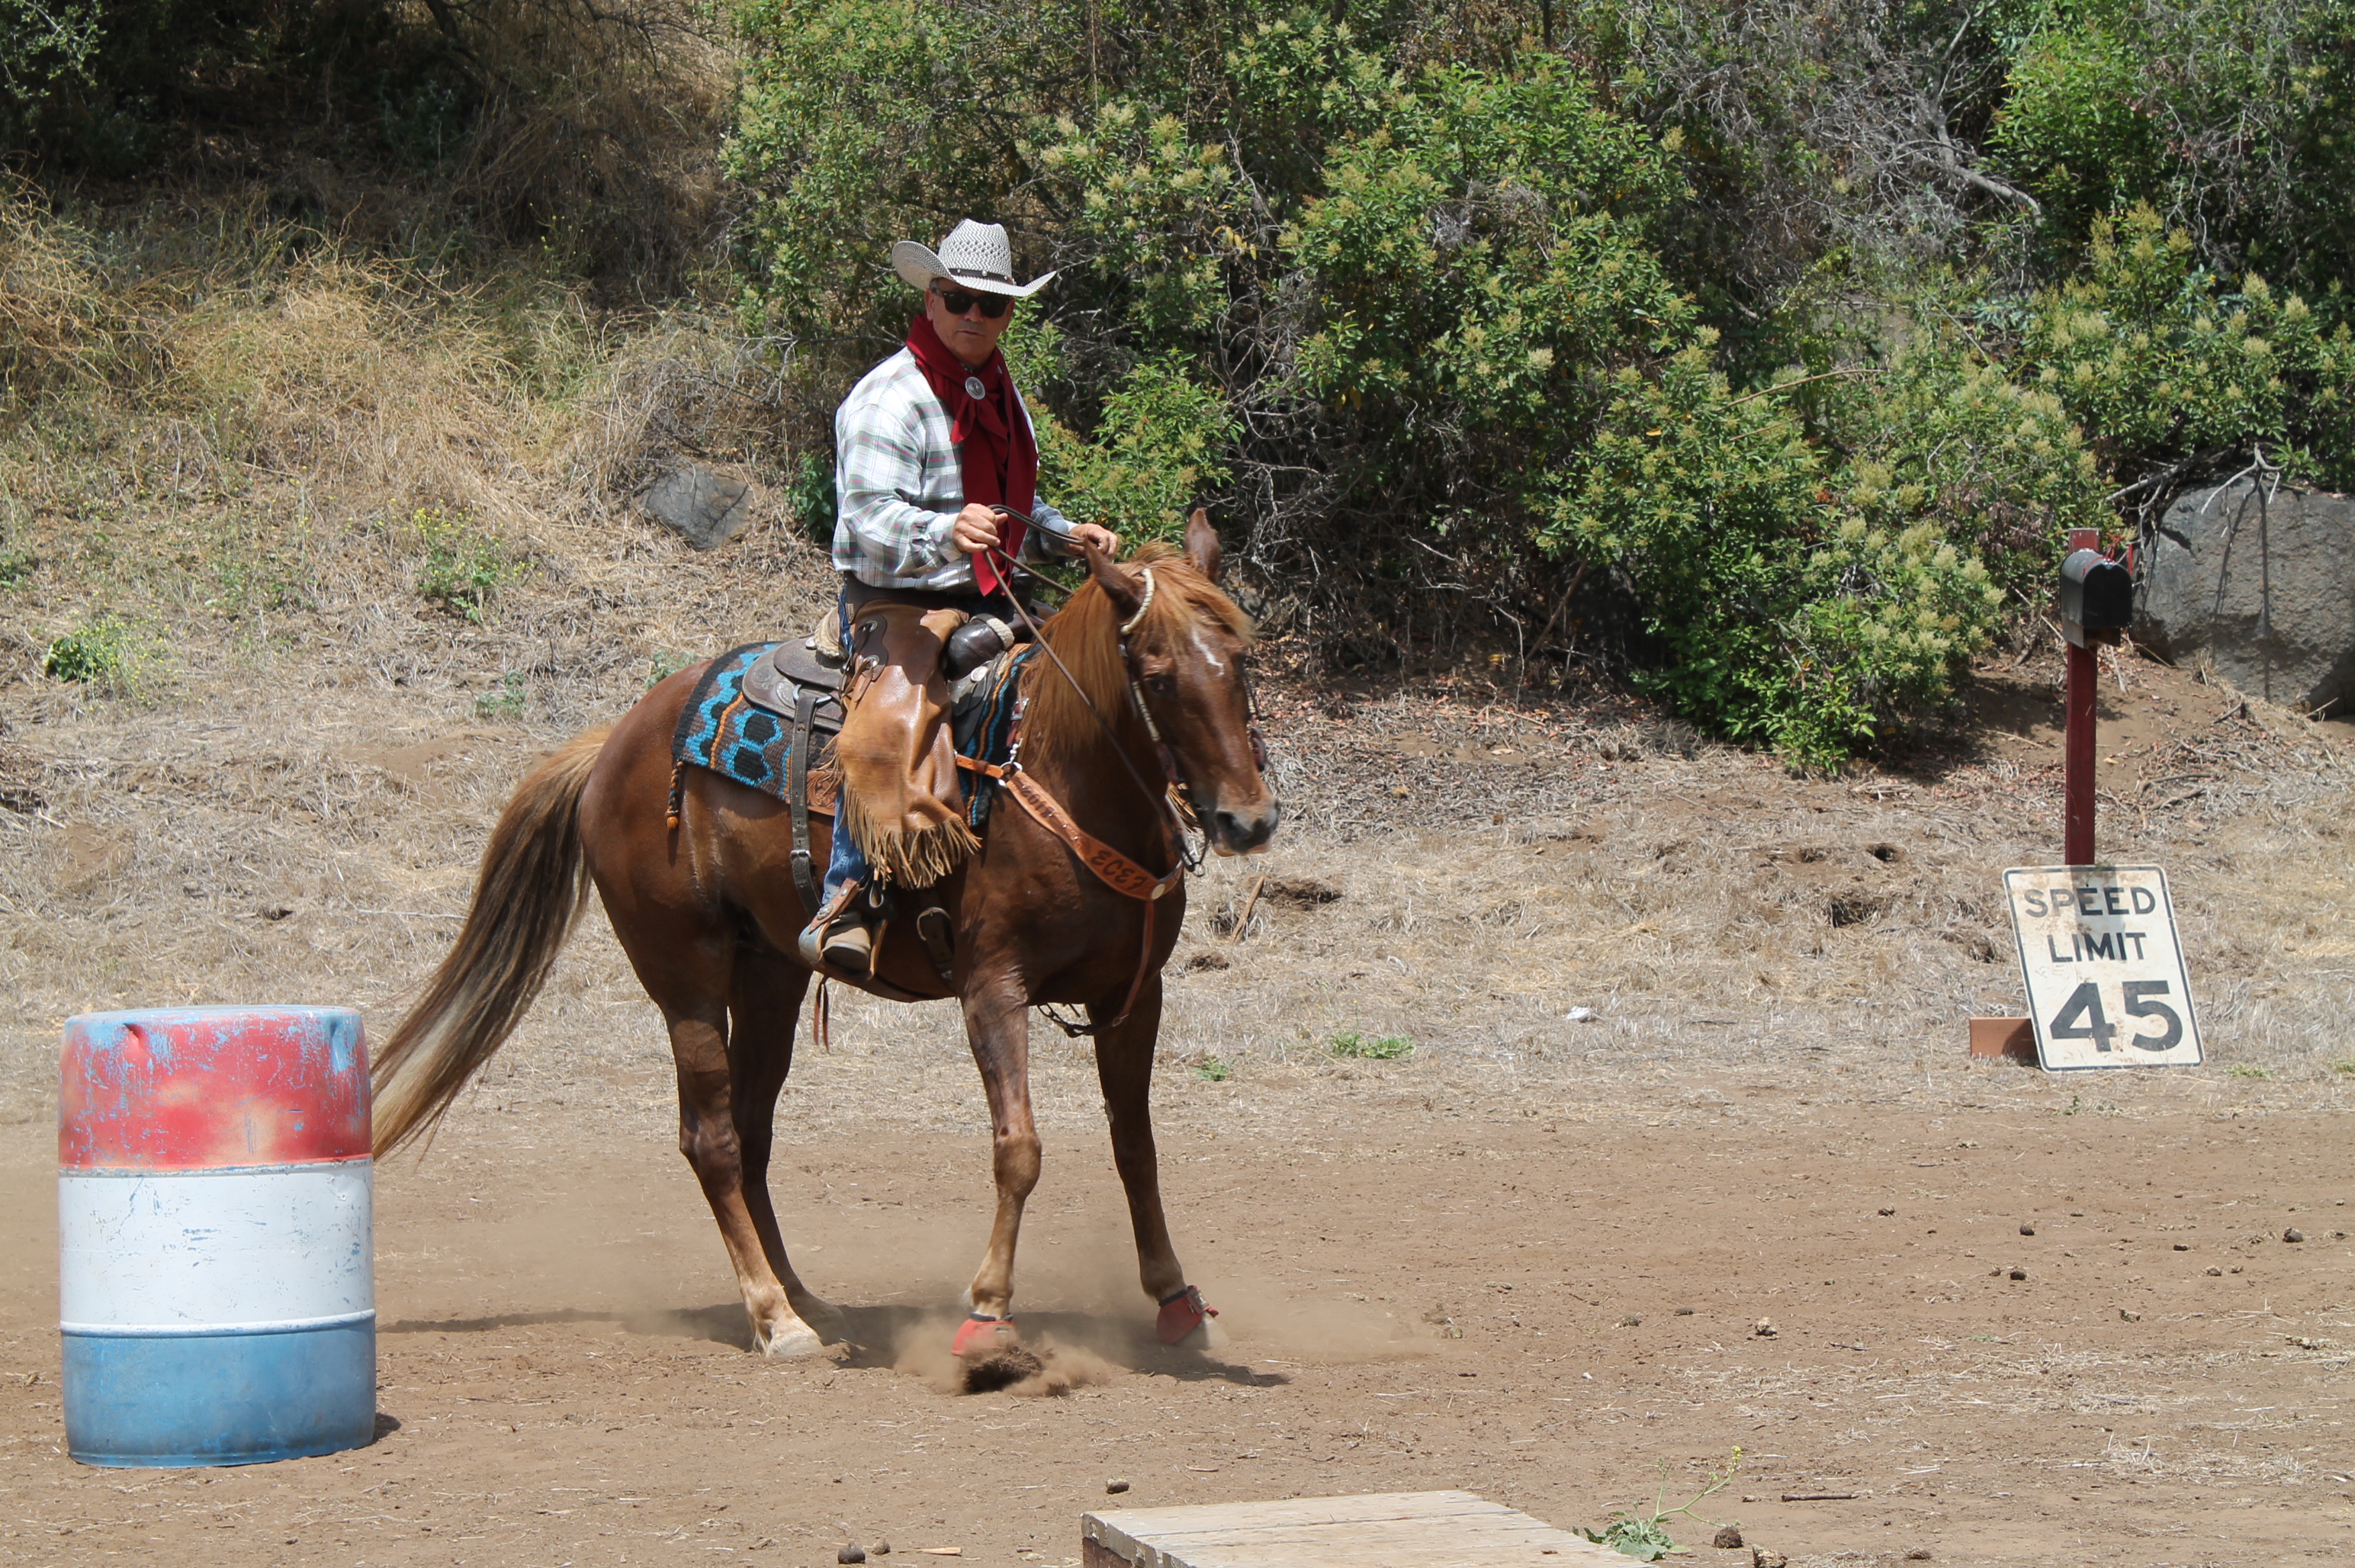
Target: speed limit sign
2105 979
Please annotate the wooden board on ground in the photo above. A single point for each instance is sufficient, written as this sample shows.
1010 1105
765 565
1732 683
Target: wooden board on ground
1376 1530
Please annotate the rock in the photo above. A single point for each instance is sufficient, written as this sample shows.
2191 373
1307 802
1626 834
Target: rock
2019 1274
2128 1315
2182 1246
1764 1328
1581 1015
1761 1558
1115 1486
850 1551
882 1549
1885 1214
2263 588
2215 1273
2028 1230
1727 1539
2293 1234
707 507
1919 1554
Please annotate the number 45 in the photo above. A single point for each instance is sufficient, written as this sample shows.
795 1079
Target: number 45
2086 1002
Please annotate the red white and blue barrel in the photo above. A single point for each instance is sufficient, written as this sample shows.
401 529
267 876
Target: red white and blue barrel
216 1279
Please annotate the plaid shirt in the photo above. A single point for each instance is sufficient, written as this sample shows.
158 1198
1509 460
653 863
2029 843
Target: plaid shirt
899 487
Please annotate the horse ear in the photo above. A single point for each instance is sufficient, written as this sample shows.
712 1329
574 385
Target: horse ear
1202 543
1126 596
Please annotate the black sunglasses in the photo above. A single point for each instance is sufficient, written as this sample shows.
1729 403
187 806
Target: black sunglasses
959 302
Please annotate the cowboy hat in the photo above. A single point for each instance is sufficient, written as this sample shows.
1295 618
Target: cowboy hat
976 256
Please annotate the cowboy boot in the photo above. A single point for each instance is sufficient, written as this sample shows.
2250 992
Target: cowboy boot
842 936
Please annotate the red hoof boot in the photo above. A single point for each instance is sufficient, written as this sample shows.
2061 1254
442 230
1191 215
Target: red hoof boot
1182 1314
980 1335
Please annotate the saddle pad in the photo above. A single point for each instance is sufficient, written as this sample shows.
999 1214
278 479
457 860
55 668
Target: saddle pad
724 730
984 726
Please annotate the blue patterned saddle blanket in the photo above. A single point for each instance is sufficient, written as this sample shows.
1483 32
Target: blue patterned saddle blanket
724 730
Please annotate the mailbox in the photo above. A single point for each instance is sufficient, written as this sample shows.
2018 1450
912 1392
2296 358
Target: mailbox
2096 597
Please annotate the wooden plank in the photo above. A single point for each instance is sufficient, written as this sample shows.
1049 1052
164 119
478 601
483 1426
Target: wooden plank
1376 1530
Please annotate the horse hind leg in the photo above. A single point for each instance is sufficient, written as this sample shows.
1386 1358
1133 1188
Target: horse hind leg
764 1004
709 1137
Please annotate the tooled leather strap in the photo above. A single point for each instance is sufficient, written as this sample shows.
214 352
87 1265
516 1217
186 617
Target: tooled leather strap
1115 870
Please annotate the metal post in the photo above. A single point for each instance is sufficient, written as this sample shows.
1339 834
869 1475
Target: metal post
2077 750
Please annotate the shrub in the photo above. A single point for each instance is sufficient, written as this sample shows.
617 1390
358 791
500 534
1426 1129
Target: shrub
99 652
461 568
2163 362
1800 608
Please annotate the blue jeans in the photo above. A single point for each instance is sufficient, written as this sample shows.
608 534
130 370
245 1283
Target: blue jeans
848 863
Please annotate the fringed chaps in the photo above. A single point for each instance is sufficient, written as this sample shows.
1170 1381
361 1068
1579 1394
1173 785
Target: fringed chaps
902 803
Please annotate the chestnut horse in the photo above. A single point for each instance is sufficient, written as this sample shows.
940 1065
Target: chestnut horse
1147 673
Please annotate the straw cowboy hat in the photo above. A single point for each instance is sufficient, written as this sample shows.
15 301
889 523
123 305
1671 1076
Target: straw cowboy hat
976 256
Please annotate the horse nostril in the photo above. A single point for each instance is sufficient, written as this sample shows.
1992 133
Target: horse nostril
1240 833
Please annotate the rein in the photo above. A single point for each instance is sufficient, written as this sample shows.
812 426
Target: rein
1111 868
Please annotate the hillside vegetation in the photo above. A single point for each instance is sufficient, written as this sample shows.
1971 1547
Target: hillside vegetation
1759 354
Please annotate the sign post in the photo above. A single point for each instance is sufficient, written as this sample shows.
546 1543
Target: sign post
2096 604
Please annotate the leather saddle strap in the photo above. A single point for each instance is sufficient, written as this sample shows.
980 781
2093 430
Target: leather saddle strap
803 740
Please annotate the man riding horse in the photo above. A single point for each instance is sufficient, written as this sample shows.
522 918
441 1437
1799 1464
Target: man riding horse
936 468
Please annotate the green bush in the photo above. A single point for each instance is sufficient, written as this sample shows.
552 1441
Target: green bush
102 651
2162 361
460 569
1428 309
2228 116
1801 607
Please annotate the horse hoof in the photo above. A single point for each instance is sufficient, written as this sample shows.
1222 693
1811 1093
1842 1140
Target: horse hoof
824 1317
980 1336
1186 1320
800 1339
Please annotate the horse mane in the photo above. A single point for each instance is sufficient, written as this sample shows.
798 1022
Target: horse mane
1085 634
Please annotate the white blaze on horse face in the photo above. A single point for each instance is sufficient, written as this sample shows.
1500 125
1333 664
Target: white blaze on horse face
1209 657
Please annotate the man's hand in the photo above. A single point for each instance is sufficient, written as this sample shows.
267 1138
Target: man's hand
1101 538
976 530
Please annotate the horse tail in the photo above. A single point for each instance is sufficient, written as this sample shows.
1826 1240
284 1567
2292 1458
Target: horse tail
533 881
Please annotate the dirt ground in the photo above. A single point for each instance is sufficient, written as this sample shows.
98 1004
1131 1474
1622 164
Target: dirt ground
1688 1054
1544 1313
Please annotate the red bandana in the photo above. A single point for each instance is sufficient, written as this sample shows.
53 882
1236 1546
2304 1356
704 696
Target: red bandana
999 454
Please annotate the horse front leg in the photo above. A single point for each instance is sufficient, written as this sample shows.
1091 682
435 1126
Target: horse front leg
998 1027
1124 1069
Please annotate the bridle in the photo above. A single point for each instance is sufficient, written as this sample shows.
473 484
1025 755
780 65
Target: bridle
1191 857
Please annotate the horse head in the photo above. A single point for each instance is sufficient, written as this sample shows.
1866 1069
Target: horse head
1183 642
